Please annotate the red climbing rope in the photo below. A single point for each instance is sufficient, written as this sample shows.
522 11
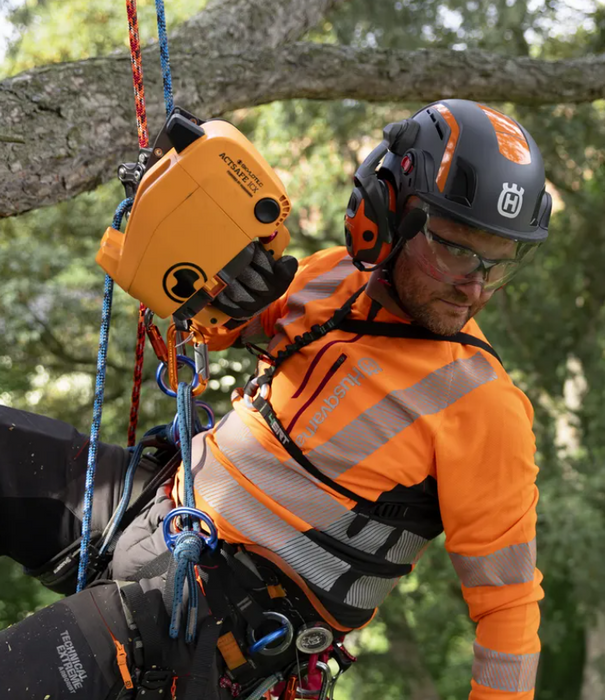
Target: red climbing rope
137 72
139 103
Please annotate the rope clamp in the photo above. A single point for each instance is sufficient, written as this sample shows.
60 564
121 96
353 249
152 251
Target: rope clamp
131 174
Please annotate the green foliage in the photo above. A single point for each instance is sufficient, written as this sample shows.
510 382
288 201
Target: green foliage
547 325
53 31
20 594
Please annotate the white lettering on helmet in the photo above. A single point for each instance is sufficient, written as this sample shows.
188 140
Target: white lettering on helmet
510 200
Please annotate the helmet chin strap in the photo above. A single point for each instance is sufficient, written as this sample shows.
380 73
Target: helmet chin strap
411 226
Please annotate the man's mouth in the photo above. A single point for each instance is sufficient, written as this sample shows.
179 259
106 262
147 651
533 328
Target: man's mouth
456 304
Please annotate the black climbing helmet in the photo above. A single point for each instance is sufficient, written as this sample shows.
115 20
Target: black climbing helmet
474 164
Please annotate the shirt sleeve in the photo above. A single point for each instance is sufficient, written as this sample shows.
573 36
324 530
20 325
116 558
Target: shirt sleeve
486 479
261 328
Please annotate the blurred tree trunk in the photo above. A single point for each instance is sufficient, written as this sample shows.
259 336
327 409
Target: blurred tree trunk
593 685
64 127
405 655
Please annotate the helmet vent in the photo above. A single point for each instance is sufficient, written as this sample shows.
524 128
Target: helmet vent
463 184
436 123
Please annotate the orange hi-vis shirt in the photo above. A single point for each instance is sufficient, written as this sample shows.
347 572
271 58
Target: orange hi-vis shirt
435 433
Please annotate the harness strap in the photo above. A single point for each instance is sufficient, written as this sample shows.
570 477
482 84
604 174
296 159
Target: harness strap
139 607
300 341
267 412
404 330
203 676
153 568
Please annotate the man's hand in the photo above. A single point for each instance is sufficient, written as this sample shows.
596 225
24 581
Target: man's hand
264 280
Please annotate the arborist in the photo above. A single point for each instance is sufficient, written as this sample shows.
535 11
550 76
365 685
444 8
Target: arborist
378 417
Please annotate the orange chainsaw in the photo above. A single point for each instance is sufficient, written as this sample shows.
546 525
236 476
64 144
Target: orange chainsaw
203 194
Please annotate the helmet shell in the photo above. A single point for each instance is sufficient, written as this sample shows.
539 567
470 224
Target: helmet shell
478 166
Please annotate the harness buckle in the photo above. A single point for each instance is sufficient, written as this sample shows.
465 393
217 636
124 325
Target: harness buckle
251 391
153 685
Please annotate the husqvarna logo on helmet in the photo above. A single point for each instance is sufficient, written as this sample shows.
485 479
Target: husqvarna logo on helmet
510 200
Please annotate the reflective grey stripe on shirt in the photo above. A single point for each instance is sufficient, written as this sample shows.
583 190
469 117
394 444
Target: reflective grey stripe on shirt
259 524
512 673
320 287
397 411
513 564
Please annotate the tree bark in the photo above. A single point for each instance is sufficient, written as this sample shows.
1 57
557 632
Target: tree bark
65 127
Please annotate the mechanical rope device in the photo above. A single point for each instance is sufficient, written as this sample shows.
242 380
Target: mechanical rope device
203 195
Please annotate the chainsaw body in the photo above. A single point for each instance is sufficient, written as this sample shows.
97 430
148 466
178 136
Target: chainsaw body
203 196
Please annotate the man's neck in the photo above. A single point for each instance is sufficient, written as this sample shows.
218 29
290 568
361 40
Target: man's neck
380 289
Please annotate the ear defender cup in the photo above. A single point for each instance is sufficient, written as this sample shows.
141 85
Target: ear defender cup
363 239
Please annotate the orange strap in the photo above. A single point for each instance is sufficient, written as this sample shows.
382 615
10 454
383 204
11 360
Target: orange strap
122 658
230 651
291 688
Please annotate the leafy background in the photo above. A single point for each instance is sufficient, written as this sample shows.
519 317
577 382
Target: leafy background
548 325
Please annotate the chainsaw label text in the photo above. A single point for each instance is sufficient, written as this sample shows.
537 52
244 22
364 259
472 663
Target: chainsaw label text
242 174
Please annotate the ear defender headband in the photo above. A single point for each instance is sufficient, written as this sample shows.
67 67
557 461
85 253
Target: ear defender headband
371 233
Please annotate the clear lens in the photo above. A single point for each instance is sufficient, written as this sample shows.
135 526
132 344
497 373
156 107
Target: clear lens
447 251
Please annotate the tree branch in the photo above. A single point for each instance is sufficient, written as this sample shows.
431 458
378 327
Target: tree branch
56 347
77 119
247 24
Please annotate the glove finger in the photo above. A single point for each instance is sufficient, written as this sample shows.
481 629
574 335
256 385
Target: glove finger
285 268
253 280
262 260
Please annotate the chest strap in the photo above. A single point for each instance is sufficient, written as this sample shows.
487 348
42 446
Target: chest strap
406 330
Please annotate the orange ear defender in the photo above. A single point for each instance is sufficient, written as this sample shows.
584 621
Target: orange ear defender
203 195
371 216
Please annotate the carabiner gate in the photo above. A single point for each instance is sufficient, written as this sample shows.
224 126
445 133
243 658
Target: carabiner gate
201 370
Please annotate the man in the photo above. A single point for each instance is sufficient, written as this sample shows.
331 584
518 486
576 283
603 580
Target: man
378 418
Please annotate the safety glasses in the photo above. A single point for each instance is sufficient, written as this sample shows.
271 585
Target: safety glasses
454 263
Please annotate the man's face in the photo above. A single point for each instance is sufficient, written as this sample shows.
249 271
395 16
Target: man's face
444 308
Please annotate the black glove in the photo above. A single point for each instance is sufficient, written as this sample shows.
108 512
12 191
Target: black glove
264 280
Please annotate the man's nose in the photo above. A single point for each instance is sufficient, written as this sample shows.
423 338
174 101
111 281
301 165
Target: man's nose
472 289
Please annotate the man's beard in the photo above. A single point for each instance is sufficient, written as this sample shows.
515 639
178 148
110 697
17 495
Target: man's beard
422 312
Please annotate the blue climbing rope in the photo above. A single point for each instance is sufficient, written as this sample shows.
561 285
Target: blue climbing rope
189 543
97 409
164 55
114 523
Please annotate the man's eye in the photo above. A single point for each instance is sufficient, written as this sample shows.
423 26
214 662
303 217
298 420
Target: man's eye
460 252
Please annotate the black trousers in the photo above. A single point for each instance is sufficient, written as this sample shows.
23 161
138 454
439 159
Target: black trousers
70 649
42 474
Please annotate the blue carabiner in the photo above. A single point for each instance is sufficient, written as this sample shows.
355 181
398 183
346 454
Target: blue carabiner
171 537
199 428
268 639
181 361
